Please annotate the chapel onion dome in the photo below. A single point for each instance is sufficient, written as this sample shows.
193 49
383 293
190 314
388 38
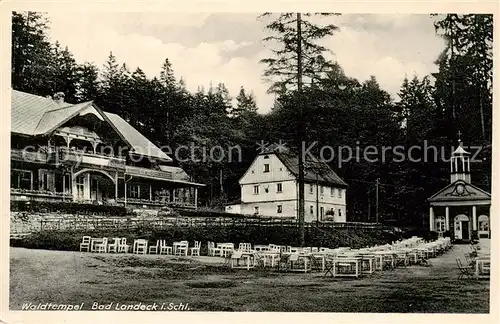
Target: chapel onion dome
460 151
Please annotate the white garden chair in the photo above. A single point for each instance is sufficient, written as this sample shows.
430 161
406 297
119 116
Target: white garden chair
102 246
182 249
123 247
85 245
113 247
214 251
154 249
164 248
195 251
140 246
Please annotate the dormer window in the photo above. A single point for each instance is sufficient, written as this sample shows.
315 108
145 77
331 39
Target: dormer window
266 167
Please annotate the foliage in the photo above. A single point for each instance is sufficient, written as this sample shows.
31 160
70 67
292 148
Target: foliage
281 69
70 240
66 207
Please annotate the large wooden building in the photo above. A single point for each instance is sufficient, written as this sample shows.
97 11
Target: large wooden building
79 153
460 208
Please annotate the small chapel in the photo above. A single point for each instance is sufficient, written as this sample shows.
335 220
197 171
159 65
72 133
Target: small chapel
460 208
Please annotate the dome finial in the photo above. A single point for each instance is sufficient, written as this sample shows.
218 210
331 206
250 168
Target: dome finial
459 138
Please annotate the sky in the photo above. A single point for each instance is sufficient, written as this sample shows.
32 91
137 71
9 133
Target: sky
209 48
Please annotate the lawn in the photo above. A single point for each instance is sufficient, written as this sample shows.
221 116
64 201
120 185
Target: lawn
42 276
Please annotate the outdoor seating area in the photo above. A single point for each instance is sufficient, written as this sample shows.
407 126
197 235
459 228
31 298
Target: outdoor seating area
337 262
476 264
139 246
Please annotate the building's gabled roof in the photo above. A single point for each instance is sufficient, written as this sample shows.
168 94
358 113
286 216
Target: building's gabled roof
460 191
28 110
36 116
140 144
314 170
52 119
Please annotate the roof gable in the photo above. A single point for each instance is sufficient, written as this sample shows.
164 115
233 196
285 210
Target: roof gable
460 191
35 115
277 170
53 119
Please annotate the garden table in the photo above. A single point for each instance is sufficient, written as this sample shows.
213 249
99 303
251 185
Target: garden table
346 261
248 257
296 258
259 248
270 256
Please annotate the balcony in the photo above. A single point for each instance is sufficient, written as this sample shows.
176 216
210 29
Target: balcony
28 156
148 173
74 156
39 195
155 203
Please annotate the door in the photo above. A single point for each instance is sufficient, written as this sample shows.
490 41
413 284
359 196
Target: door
465 230
461 227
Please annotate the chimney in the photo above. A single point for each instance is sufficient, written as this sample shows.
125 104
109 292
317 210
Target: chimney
59 97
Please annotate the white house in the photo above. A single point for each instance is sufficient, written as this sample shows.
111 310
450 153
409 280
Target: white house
270 188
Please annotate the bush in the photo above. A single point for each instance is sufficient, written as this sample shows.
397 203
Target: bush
430 235
67 208
280 235
474 236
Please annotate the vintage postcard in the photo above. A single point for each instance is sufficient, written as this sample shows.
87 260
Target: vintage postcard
166 162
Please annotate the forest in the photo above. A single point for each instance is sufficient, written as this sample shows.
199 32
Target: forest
339 111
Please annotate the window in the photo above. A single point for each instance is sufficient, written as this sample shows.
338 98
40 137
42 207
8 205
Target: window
340 212
440 224
266 156
44 180
311 189
20 179
311 209
280 209
322 212
135 191
332 191
340 193
279 187
255 190
256 209
321 190
266 167
80 185
67 183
